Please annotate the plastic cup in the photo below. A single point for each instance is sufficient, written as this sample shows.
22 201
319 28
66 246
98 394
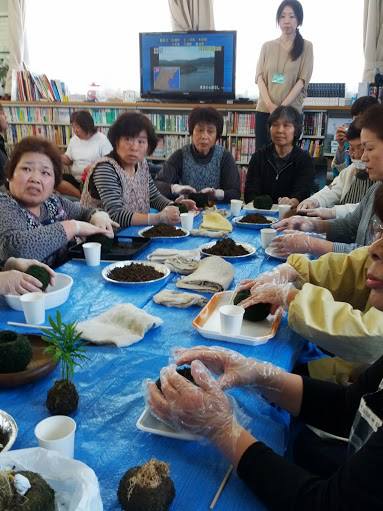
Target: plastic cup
231 319
34 307
57 434
267 236
187 220
283 209
235 206
92 253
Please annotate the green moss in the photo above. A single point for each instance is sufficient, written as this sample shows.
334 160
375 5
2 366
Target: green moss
182 208
257 312
263 202
40 274
15 352
106 243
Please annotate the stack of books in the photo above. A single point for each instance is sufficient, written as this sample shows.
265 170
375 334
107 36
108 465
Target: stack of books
325 94
28 86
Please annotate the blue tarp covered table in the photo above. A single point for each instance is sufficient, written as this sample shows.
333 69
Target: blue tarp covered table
111 388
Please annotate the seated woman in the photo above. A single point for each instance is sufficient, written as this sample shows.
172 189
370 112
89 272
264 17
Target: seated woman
347 190
14 280
281 169
34 222
121 183
356 228
85 147
202 166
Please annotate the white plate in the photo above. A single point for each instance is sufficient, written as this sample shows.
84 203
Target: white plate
271 253
246 246
208 323
141 233
54 295
249 208
249 225
119 264
148 423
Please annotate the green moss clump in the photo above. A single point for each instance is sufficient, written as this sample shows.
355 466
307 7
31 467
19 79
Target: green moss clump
40 497
62 398
182 208
257 312
40 274
15 352
263 202
202 200
106 243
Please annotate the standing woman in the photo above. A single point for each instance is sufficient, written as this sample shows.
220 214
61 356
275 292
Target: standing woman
284 69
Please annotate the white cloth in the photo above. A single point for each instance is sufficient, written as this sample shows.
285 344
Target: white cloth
122 325
161 254
176 299
214 274
85 152
208 234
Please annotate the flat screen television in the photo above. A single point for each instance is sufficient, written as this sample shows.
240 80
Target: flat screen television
188 65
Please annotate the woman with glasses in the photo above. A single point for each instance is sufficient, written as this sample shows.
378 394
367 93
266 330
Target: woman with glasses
120 183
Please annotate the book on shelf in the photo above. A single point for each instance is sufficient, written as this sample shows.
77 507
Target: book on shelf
27 86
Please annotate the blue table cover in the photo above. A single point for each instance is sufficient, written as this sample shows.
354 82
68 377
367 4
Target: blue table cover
111 387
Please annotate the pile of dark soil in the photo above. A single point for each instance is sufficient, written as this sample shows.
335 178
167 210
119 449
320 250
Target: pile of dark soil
135 272
254 219
226 247
163 230
184 371
4 437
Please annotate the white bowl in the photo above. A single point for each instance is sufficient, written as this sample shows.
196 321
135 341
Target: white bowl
54 295
8 424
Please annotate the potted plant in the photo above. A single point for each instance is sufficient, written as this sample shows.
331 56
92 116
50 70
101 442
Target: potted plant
67 348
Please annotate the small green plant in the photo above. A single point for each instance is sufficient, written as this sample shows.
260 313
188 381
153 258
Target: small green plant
65 346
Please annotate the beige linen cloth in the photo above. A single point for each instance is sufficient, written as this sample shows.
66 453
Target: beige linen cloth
176 299
214 274
122 325
178 261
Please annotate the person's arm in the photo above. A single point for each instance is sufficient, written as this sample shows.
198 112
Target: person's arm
330 195
343 230
264 93
304 178
66 160
295 91
67 188
230 182
170 174
157 200
342 210
253 184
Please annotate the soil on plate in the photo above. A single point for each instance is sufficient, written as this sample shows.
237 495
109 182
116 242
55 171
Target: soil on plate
4 437
40 496
135 272
163 230
62 398
184 371
226 247
254 219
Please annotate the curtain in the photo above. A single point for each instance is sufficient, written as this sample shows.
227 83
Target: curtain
372 38
18 53
191 14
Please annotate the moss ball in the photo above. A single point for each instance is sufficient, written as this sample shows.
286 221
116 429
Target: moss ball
40 274
184 371
202 200
40 497
257 312
62 398
15 352
263 202
182 208
106 243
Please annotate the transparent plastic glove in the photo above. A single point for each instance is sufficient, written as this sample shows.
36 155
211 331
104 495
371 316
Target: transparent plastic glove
18 263
169 215
297 243
299 223
182 189
308 204
288 201
15 282
324 213
233 369
282 274
201 409
103 220
275 294
85 229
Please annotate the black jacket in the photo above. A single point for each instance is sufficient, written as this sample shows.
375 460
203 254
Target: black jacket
3 160
294 180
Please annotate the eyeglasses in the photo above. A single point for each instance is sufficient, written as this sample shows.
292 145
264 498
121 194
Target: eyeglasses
377 229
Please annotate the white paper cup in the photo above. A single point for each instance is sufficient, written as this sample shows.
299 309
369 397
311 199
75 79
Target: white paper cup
187 220
57 434
34 307
231 319
267 236
235 206
283 209
92 253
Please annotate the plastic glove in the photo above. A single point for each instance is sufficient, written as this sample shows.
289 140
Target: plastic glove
103 220
201 409
234 369
15 282
286 200
177 189
308 204
324 213
169 215
275 294
299 223
282 274
85 229
18 263
217 193
297 243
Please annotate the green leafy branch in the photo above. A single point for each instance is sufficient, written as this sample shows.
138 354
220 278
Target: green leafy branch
65 346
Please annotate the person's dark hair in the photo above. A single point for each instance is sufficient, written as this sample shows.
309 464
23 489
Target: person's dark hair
353 131
84 119
289 113
131 124
208 115
361 104
378 203
297 49
372 119
35 145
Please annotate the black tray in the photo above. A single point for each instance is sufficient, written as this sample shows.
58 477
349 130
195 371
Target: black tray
123 248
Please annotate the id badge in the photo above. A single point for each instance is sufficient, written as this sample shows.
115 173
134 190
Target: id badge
278 78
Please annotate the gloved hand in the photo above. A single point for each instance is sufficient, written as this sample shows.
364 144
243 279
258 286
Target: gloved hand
18 263
299 223
324 213
217 193
169 215
296 243
190 204
275 294
177 189
308 204
282 274
85 229
103 220
15 282
201 409
233 369
286 200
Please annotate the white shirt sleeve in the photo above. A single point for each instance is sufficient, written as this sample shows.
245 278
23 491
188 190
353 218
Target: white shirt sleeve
105 146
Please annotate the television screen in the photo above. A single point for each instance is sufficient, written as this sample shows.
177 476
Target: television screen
189 65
